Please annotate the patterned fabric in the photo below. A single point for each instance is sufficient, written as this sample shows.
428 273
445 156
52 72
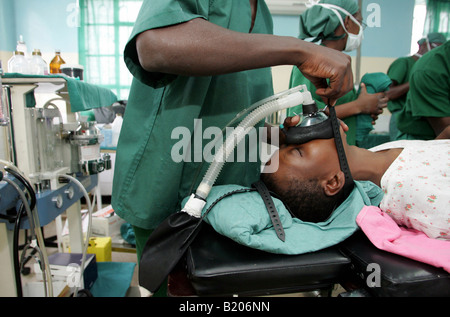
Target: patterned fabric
417 186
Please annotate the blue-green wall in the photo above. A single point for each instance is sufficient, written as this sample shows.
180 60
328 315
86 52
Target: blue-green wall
43 23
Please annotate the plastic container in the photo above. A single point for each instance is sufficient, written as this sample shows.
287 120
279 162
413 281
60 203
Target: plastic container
55 64
116 126
107 136
18 64
37 64
4 119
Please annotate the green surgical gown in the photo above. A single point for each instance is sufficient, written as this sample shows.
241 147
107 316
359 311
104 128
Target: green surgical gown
399 71
428 96
149 181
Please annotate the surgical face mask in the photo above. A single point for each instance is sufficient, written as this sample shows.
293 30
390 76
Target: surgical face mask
353 40
430 46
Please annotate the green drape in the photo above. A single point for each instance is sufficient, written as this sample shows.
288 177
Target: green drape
438 17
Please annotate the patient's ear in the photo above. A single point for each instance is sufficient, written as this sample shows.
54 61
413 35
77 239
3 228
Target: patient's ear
333 185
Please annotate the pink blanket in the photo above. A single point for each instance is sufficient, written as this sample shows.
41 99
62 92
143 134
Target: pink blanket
386 235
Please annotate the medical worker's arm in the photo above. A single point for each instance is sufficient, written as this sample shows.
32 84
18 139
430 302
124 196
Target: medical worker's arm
201 48
439 124
445 134
396 91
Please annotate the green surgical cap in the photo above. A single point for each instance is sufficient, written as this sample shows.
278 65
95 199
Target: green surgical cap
320 23
433 38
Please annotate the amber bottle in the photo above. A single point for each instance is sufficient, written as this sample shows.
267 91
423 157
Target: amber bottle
56 63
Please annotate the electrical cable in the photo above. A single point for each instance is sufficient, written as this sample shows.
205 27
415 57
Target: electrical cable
16 263
37 239
17 224
89 228
39 246
34 221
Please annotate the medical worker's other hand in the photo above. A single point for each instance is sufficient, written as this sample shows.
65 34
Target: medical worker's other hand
293 121
320 63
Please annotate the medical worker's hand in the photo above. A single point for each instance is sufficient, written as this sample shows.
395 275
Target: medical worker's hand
320 63
201 48
372 104
293 121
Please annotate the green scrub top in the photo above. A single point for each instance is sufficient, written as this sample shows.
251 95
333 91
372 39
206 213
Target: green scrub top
297 79
428 96
149 184
400 71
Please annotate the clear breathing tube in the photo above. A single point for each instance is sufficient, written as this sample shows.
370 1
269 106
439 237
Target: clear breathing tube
260 110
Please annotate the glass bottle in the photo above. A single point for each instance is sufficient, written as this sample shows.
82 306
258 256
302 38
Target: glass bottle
18 63
56 63
37 64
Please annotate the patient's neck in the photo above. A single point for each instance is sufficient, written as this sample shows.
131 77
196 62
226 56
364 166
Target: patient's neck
367 165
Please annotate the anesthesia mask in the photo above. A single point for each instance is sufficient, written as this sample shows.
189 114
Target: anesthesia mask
314 124
317 125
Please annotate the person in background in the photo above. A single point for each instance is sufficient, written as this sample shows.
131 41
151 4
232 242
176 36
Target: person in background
192 60
427 109
337 24
399 72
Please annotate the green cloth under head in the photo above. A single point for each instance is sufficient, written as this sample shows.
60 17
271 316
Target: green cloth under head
320 23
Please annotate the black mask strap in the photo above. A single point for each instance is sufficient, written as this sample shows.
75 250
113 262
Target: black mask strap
349 183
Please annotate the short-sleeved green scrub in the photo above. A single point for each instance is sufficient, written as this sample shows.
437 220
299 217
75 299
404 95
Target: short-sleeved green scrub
149 179
428 96
399 71
297 78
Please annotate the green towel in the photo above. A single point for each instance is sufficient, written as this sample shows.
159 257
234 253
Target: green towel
83 96
114 279
243 217
375 83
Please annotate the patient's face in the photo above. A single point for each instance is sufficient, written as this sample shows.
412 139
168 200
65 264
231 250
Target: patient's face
316 159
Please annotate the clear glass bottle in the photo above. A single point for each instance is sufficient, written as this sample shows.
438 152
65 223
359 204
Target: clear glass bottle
18 63
37 64
56 63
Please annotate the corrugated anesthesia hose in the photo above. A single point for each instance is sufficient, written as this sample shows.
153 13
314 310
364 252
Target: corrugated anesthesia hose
290 98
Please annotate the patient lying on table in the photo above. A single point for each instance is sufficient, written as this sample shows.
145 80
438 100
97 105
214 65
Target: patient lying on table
414 176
